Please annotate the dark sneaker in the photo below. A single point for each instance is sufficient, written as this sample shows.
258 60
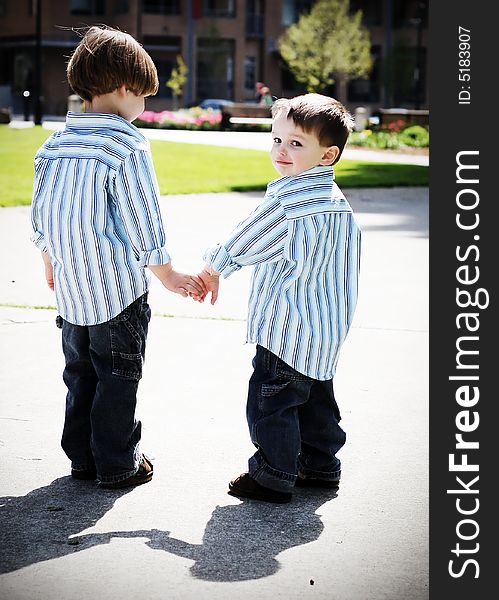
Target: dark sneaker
86 474
245 486
143 475
317 483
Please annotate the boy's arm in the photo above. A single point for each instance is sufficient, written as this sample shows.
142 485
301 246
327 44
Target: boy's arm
49 270
135 194
260 238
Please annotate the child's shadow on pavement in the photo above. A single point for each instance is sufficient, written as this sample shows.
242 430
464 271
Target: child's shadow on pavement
241 541
37 527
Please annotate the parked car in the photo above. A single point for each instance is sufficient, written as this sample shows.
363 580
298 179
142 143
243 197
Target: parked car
215 103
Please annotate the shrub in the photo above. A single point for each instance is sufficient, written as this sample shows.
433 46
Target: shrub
391 137
415 136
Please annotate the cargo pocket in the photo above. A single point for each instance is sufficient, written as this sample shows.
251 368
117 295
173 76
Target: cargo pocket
126 346
270 397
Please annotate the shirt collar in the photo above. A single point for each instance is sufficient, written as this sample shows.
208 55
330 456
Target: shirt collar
318 170
89 121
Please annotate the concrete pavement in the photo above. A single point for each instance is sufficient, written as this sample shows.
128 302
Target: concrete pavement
181 536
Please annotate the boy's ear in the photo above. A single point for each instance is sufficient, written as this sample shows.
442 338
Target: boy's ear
330 156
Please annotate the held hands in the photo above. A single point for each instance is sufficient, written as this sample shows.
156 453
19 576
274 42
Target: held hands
185 285
210 281
180 283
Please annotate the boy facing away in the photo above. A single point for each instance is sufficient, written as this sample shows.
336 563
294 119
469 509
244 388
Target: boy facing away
96 219
304 244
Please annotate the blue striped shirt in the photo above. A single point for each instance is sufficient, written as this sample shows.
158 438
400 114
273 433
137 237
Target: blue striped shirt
304 244
95 211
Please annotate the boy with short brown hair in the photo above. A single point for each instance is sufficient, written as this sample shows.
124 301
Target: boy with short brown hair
97 221
304 244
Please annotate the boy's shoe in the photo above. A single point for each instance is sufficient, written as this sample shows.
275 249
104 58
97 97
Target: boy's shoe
317 483
245 486
85 474
143 475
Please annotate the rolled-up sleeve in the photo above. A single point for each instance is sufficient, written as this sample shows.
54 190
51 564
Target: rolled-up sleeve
37 236
39 241
260 238
136 195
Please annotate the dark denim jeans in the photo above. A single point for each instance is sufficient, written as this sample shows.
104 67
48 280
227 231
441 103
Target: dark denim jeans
102 373
293 421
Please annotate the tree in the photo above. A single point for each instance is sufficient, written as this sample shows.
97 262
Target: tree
327 45
177 80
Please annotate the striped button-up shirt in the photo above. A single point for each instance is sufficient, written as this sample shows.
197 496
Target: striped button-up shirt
95 211
304 244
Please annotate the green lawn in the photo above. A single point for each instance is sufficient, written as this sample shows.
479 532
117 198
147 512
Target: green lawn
189 168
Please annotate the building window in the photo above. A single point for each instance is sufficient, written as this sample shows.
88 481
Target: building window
165 43
215 68
162 7
254 19
3 8
219 8
164 67
163 50
88 7
292 9
249 72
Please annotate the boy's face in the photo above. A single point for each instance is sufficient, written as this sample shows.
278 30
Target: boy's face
295 150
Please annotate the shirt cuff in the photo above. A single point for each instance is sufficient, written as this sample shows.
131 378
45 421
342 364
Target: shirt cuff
220 261
158 256
39 241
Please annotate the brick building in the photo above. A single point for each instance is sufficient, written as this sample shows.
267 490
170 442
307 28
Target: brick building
227 45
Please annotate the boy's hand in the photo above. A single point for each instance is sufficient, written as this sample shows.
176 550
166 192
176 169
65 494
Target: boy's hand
186 285
49 276
210 281
180 283
49 270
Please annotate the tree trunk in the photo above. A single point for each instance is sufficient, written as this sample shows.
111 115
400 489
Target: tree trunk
342 88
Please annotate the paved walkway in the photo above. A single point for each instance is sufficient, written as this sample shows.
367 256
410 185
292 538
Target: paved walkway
251 140
181 537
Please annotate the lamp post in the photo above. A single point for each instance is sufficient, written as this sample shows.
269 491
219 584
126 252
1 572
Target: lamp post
37 107
190 52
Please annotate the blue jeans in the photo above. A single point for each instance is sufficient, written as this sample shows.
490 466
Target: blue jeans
102 373
294 424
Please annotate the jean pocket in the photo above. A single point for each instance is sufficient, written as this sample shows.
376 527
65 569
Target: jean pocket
271 397
287 373
269 390
127 344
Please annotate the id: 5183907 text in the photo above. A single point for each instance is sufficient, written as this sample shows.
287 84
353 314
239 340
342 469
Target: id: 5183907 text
464 65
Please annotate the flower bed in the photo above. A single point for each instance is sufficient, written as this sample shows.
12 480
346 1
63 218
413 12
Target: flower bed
186 118
394 136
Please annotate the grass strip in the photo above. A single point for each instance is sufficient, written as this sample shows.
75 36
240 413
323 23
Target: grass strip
193 169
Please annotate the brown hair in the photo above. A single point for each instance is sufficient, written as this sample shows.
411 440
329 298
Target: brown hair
107 59
326 117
